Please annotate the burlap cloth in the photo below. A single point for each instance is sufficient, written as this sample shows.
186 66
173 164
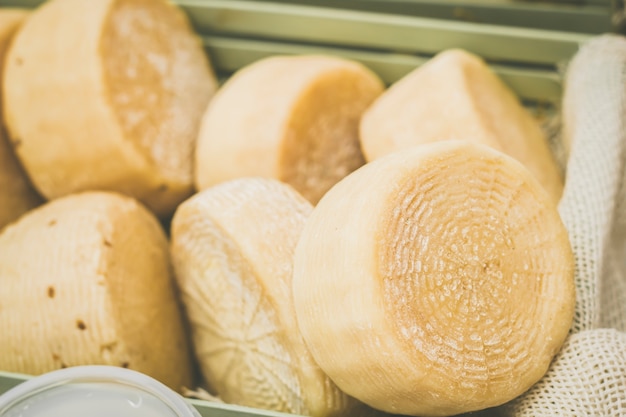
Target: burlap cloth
588 376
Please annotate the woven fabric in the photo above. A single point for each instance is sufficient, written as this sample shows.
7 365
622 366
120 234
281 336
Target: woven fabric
594 109
588 376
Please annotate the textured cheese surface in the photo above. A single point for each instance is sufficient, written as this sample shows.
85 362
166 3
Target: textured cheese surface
16 193
292 118
232 247
86 279
107 95
435 281
456 96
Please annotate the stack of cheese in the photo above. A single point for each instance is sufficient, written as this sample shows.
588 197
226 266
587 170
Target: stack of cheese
102 102
336 248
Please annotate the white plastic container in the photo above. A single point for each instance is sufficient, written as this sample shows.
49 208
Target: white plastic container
95 391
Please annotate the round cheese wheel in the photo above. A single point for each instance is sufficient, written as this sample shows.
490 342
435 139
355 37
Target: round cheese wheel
232 247
86 280
16 193
108 95
456 96
292 118
435 281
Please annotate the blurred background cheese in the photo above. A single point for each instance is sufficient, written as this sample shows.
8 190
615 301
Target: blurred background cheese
16 193
292 118
455 95
108 95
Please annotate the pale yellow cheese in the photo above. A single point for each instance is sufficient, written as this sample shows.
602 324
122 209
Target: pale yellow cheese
232 248
435 281
456 95
108 95
16 193
292 118
86 279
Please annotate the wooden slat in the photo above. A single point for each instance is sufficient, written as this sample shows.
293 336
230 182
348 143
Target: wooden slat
230 54
375 31
559 16
394 33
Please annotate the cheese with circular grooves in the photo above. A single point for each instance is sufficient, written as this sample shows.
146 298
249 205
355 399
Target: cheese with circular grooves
435 281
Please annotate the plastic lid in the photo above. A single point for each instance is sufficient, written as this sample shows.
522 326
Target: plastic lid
96 391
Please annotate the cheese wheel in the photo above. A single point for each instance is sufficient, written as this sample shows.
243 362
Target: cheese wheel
455 95
16 193
435 281
232 247
108 95
86 280
292 118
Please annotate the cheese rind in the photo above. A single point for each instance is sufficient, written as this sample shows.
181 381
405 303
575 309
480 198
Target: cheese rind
456 96
86 279
16 193
108 95
292 118
435 281
232 246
